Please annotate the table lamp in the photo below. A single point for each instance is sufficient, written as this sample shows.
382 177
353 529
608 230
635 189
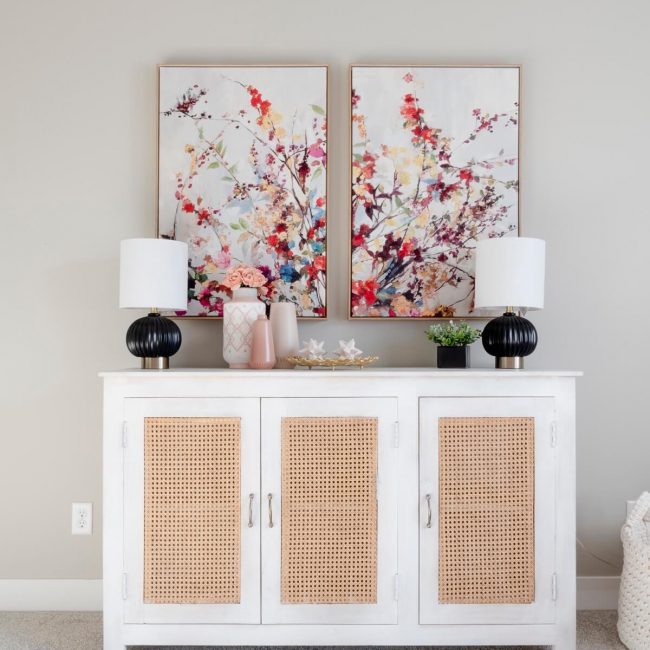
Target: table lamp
153 275
510 275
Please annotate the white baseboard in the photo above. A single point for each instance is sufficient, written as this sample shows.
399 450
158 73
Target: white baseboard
50 595
598 592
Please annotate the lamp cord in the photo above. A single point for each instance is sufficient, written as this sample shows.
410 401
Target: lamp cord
597 557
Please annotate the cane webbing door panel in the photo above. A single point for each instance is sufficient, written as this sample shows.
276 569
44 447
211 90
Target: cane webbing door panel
486 510
192 510
487 554
191 555
329 510
328 476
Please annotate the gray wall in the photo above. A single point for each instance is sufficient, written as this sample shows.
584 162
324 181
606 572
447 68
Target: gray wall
78 173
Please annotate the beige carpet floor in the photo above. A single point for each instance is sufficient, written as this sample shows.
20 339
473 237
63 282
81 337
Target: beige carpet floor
83 631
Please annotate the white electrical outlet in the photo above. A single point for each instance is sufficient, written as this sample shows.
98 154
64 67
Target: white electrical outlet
82 518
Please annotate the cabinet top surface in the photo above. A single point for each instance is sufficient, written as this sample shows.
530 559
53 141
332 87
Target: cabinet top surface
221 373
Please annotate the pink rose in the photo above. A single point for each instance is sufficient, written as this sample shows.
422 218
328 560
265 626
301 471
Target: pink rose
251 277
233 279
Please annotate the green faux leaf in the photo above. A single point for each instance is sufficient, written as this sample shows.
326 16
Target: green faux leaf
235 226
452 334
317 109
243 223
219 146
201 133
398 202
317 173
214 165
232 169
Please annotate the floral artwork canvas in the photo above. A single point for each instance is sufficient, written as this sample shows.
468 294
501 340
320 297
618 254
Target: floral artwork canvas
243 179
435 161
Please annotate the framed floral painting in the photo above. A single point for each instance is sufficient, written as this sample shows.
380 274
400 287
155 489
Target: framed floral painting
434 168
243 179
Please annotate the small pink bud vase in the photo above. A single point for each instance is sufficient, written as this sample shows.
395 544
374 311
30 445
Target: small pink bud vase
285 332
262 354
238 317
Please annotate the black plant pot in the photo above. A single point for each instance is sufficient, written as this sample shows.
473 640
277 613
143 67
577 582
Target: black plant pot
453 356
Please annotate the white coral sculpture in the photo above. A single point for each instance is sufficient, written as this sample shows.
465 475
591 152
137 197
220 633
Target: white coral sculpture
313 349
347 350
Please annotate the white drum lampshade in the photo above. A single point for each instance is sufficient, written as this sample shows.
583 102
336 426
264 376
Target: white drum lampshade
153 275
510 273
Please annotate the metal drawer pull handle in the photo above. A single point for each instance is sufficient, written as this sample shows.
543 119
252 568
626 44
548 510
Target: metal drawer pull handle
270 498
428 498
251 496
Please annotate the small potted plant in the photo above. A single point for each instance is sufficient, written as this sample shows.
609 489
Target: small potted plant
453 343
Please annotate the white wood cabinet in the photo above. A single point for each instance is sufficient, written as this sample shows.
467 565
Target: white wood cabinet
375 507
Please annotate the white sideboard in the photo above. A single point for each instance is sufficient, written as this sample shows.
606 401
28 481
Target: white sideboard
365 507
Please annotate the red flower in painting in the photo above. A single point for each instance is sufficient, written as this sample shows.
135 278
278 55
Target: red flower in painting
406 249
359 237
320 262
188 206
410 109
366 166
425 134
262 105
203 215
467 176
365 290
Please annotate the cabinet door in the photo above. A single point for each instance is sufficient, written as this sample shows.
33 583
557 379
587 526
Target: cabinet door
329 518
191 507
487 510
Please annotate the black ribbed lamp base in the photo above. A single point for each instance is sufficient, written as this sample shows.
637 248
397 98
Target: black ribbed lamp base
153 339
509 338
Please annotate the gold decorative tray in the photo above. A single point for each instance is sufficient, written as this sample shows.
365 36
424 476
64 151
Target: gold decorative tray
333 363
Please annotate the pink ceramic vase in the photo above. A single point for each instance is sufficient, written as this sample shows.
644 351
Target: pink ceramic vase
285 332
262 352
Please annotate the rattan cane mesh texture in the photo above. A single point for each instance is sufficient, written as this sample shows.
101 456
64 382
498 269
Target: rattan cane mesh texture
329 510
191 510
487 510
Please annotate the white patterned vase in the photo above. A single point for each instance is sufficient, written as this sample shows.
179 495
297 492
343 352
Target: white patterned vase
238 317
